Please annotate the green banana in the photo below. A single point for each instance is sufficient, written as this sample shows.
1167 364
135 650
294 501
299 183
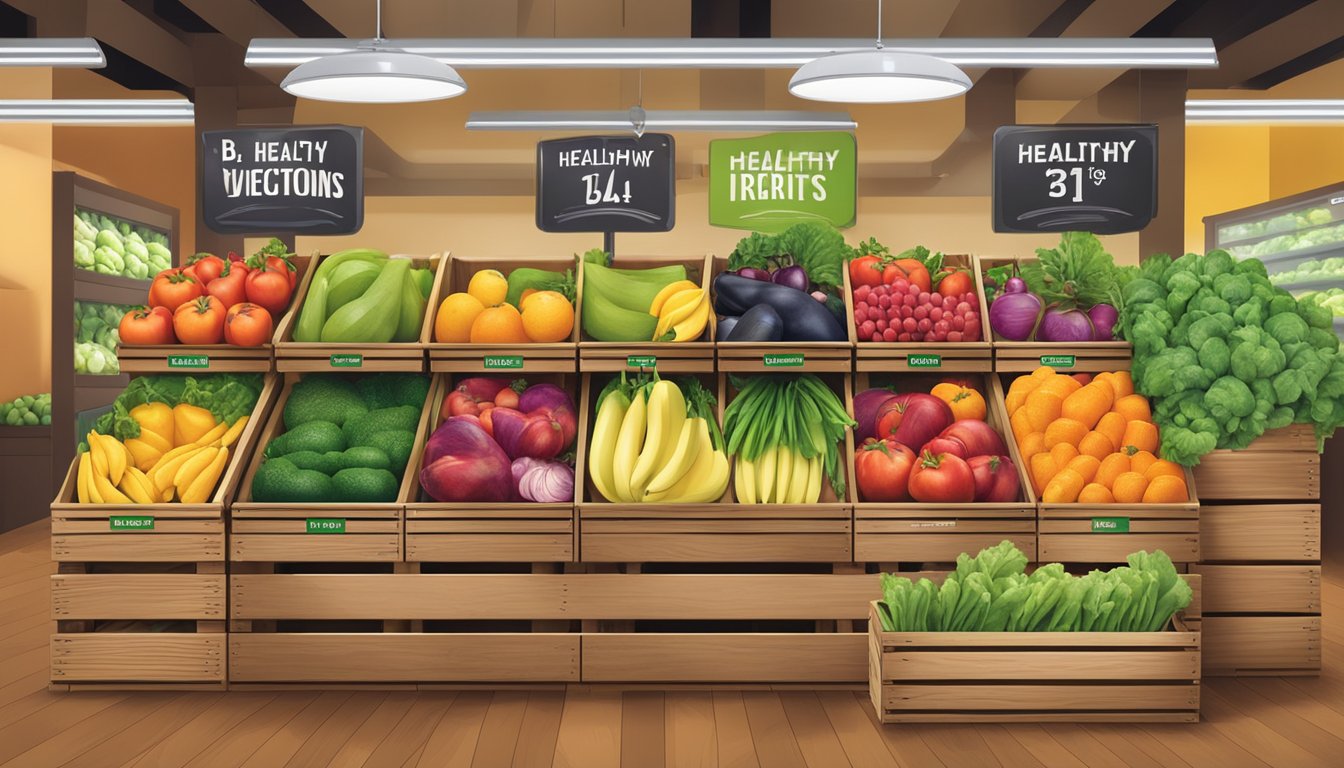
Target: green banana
349 281
412 311
313 314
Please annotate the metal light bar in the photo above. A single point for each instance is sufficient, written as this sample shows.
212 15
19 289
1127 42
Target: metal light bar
754 53
51 52
1264 111
658 120
98 111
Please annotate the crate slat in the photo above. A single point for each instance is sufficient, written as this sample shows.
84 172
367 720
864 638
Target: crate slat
1260 532
298 547
724 658
138 596
137 657
1251 475
1235 645
138 547
1261 588
943 696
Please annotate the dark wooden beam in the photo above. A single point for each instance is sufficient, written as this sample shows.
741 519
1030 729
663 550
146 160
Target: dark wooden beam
1162 101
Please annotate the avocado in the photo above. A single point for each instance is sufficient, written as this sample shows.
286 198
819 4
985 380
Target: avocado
326 463
397 444
364 457
323 397
360 484
358 430
316 436
385 390
280 480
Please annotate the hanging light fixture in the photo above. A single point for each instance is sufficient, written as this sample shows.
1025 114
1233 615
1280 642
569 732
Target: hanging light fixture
878 76
374 73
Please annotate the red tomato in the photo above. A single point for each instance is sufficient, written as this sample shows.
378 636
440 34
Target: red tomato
284 266
208 267
942 478
190 271
230 287
955 283
947 445
916 273
147 326
865 270
889 416
270 289
995 478
247 325
461 404
882 470
200 321
173 288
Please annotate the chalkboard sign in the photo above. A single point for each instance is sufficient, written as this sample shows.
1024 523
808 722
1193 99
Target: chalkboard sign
283 180
1095 178
607 184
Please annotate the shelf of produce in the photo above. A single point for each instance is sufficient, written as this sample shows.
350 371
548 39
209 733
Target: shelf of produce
667 357
785 356
917 532
486 532
109 289
1312 285
557 357
959 357
722 531
1093 677
1281 465
307 357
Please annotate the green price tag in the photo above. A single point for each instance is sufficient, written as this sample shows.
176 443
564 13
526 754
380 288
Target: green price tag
790 360
1110 525
924 361
1059 361
326 525
347 361
131 522
188 361
502 362
641 361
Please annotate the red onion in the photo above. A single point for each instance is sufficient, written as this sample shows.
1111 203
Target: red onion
866 404
545 482
1015 284
1103 317
1065 325
794 277
754 274
1013 314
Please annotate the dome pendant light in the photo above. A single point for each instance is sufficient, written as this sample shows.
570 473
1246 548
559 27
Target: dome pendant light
374 74
878 76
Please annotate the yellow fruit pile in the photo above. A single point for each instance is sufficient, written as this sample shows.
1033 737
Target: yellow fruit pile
482 316
179 456
682 309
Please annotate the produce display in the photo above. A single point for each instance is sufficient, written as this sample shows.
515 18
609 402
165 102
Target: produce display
1069 293
1332 299
528 306
97 337
1286 222
111 246
637 305
27 411
361 296
1289 243
345 440
933 447
991 592
657 440
1090 439
911 297
1225 355
502 440
167 438
1312 271
783 287
784 432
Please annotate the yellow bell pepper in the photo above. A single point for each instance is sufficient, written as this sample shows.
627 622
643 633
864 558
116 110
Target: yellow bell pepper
156 418
190 422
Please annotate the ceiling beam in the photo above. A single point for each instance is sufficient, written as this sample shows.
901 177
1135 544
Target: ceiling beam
122 27
1114 18
1274 45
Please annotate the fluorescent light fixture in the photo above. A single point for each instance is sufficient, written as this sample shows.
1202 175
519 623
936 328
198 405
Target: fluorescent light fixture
1264 111
878 77
98 111
51 52
658 120
374 76
754 53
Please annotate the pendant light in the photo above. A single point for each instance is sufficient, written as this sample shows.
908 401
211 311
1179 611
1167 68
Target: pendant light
374 73
878 76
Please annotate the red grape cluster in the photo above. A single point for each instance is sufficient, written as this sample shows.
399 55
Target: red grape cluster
903 312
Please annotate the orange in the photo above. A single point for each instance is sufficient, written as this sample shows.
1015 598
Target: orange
1084 465
1018 391
1095 493
1165 489
1106 377
526 292
547 316
499 325
1096 445
1122 383
1044 373
1063 488
1163 467
1021 424
1063 453
1064 430
1042 407
452 323
1043 469
1133 408
1061 385
1031 445
1140 461
1112 425
1113 466
1088 404
1141 435
489 286
1129 488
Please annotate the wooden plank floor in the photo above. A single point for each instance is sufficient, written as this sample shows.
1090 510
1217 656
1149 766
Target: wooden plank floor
1277 722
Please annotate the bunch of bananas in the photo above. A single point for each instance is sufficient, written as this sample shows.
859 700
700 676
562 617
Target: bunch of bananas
781 475
682 309
655 441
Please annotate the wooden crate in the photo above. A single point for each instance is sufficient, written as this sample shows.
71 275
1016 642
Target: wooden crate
962 677
204 358
1262 645
960 357
1281 465
128 659
558 357
307 357
667 357
1108 533
786 356
486 532
723 531
916 532
1261 589
1287 533
272 532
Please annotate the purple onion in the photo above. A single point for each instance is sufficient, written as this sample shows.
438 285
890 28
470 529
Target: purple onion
1065 325
1103 317
794 277
1015 284
754 274
1013 313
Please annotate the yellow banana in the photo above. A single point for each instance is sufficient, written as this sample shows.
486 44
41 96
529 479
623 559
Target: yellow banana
746 481
84 479
606 429
132 486
154 439
143 452
813 492
667 414
678 465
712 487
146 484
231 436
783 473
108 492
117 457
192 468
172 454
98 454
200 487
677 309
692 327
688 486
216 432
798 478
666 293
765 477
165 472
628 444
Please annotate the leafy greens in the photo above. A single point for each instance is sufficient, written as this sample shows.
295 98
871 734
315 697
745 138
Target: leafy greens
817 248
1078 272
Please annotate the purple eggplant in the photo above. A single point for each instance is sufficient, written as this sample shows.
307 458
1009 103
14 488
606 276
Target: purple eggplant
753 273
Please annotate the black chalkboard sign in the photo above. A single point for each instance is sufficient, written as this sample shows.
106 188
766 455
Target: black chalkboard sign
283 180
1095 178
607 184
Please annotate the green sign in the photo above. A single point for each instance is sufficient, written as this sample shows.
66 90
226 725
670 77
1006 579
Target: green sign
790 360
347 361
924 361
131 522
188 361
502 362
768 183
326 525
1059 361
641 361
1110 525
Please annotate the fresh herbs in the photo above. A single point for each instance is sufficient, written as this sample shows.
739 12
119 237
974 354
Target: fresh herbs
1077 272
